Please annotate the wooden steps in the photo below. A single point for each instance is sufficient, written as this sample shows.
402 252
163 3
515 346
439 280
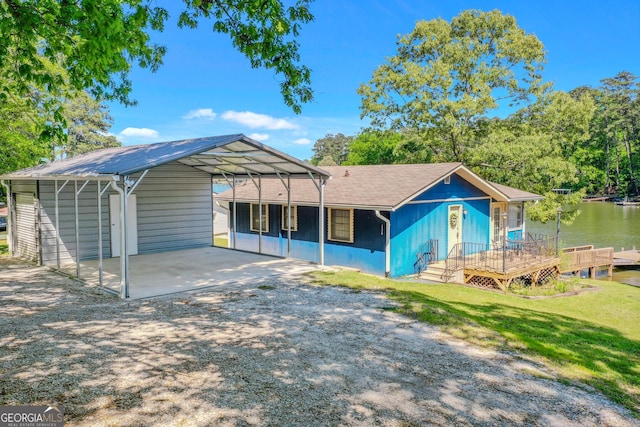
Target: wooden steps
436 273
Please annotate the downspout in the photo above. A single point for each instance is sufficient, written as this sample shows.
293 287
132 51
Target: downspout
124 279
387 243
9 222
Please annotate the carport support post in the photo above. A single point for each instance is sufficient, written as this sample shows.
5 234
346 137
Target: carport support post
235 213
321 220
100 255
124 272
260 213
289 216
77 226
7 185
75 206
57 211
99 233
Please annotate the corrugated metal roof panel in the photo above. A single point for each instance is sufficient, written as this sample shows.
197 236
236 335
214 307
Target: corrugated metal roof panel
228 154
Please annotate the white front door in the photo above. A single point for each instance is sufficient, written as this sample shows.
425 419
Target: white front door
132 224
454 226
497 226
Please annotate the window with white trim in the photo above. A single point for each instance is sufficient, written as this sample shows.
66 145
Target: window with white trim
294 218
341 225
515 215
255 218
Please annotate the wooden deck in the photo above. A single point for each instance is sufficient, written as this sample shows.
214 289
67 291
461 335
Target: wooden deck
530 268
530 262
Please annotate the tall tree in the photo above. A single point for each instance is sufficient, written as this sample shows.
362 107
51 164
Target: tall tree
88 123
446 76
386 147
621 120
331 148
97 41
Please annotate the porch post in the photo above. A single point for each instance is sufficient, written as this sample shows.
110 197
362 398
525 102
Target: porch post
505 219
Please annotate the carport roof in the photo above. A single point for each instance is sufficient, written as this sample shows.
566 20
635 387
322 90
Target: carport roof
230 155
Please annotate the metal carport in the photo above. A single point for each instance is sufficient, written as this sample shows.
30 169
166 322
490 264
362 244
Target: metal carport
123 169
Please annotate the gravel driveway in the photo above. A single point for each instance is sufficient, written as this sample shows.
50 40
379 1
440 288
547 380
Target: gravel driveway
269 353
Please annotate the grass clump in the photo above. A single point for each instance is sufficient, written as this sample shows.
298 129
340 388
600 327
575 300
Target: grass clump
592 337
551 288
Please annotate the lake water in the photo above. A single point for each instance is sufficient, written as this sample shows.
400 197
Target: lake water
602 225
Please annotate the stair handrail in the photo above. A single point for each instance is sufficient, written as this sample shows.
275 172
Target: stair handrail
427 254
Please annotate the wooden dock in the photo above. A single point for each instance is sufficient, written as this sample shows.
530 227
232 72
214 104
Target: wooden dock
626 258
579 258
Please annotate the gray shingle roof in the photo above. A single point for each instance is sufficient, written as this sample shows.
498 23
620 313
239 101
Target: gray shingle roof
384 187
230 154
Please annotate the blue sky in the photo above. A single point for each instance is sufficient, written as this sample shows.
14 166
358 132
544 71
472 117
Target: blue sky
206 88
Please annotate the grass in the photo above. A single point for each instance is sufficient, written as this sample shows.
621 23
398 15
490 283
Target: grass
4 247
592 337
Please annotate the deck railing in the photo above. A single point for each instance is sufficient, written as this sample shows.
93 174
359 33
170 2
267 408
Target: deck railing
427 254
576 259
500 256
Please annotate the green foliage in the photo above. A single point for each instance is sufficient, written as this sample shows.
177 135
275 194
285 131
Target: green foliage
88 123
446 76
387 147
330 150
546 210
593 337
96 42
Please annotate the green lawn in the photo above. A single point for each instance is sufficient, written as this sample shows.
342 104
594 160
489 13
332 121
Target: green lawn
593 337
4 247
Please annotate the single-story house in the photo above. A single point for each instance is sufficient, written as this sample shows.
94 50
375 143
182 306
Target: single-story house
132 200
378 218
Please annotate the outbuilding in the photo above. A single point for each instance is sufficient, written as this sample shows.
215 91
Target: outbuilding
381 219
130 200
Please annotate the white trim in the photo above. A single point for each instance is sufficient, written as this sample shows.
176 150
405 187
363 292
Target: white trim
351 231
265 208
421 202
294 217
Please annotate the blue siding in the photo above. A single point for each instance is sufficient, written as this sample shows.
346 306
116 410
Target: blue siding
415 223
365 253
457 188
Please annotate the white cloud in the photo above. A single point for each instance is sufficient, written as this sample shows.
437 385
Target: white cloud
139 133
259 136
202 113
255 120
302 141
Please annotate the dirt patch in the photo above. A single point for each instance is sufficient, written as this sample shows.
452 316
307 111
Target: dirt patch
268 353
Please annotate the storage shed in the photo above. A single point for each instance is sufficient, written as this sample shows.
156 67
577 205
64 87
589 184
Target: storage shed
132 200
